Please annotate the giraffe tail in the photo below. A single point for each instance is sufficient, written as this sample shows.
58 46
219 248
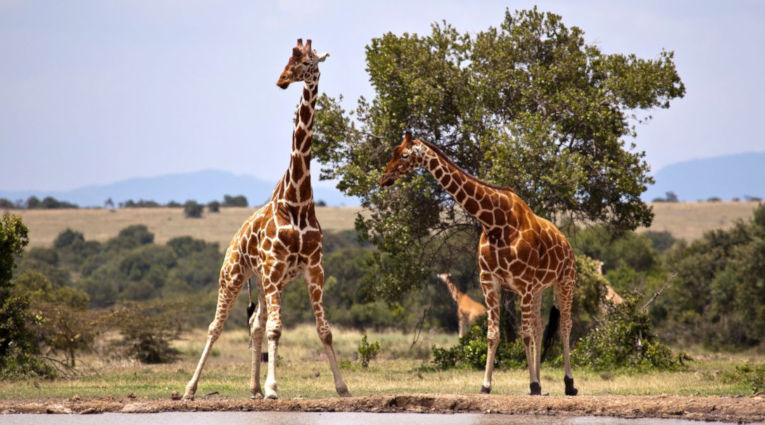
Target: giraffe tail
549 333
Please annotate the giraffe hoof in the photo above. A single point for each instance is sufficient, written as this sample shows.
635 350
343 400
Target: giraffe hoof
535 388
570 389
485 389
256 396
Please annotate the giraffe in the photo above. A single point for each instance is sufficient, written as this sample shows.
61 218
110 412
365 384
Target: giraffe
518 251
611 295
468 311
280 240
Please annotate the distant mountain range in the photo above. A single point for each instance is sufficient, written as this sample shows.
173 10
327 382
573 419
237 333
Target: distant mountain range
201 186
725 177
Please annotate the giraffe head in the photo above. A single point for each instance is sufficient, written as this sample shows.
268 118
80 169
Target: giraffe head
303 65
406 157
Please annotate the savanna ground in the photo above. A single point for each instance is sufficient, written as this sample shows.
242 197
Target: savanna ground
685 220
400 379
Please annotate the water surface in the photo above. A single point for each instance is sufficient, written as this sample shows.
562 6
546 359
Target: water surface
315 418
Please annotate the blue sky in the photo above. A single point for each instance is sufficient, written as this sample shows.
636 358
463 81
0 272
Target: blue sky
93 92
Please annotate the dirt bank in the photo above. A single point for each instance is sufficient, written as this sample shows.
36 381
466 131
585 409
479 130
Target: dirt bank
729 409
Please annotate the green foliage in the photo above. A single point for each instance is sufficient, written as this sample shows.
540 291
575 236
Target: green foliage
213 206
625 339
19 351
367 351
749 375
234 201
193 209
147 330
718 294
472 349
33 203
6 204
528 105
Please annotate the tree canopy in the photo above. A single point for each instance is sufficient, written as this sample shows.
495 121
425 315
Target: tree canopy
529 105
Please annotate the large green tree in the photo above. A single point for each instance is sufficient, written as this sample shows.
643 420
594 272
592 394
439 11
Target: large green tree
528 104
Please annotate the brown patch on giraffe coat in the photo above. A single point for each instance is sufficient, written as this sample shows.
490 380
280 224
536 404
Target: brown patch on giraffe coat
305 115
471 206
306 192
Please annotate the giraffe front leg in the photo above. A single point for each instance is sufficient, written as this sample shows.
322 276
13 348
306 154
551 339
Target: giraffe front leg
491 293
273 333
314 277
228 290
257 330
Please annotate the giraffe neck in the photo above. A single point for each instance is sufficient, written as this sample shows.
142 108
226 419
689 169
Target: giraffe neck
296 187
453 291
479 199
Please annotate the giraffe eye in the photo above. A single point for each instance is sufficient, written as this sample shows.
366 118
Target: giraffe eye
306 63
404 155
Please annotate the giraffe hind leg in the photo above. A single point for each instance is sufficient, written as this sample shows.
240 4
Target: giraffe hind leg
314 277
228 289
564 294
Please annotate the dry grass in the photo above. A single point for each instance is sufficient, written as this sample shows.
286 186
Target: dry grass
165 223
397 370
689 220
685 220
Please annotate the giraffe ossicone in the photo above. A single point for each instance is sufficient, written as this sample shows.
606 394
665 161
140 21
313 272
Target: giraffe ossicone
518 251
280 240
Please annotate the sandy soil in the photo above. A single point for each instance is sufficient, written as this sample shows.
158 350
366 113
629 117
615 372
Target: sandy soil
716 408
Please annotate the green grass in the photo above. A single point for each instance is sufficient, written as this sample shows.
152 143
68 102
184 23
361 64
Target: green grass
398 369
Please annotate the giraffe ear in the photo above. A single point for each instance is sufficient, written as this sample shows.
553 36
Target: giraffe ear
408 136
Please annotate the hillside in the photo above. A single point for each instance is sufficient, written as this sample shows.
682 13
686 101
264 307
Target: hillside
724 177
684 220
202 186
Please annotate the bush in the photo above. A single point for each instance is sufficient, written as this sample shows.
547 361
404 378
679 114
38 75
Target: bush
625 339
750 375
192 209
213 206
367 351
147 330
472 349
234 201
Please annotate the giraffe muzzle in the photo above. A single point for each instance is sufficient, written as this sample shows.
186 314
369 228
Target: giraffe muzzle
387 180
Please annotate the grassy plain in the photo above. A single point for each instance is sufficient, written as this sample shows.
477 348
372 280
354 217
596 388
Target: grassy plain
685 220
303 372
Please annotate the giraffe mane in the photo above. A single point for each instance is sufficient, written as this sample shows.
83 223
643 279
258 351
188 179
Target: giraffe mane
451 162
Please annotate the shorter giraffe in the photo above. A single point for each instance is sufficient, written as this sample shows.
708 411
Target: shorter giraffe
468 311
611 295
518 251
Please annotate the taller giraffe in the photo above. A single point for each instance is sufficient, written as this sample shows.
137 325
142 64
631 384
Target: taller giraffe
518 251
280 240
468 311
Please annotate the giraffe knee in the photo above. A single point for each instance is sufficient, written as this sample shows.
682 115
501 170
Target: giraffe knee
274 334
325 335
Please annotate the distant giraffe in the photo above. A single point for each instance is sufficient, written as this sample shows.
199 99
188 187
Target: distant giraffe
280 240
611 295
518 251
468 311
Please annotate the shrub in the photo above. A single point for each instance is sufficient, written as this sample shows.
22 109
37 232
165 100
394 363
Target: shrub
472 348
367 351
147 330
752 376
625 339
192 209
